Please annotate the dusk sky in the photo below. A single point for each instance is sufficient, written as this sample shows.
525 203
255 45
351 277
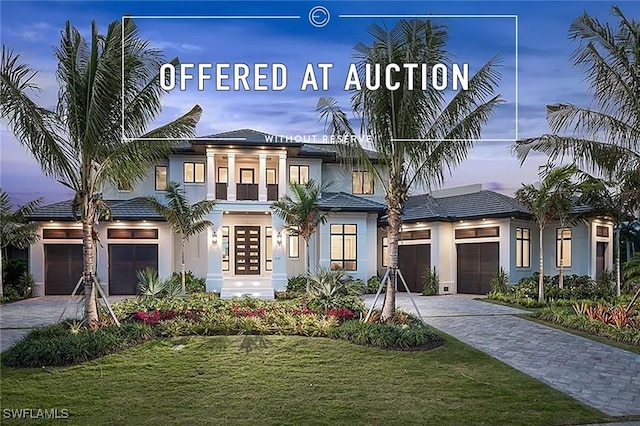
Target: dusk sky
546 74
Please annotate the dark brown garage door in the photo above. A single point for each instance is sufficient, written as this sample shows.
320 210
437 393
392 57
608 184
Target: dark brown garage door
63 268
413 260
124 261
477 264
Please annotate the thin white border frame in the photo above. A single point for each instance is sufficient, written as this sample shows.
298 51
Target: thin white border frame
340 16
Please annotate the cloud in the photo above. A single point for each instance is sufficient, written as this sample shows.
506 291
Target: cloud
34 32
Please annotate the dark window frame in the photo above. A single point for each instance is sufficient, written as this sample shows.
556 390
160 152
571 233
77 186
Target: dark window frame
602 231
133 233
69 233
268 242
253 175
292 235
343 234
559 245
385 245
299 174
361 176
226 248
521 240
226 180
275 176
193 176
465 233
166 178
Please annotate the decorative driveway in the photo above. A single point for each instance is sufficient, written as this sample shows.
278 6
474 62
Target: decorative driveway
16 319
599 375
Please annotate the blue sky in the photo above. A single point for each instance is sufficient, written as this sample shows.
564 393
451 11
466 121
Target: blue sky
545 71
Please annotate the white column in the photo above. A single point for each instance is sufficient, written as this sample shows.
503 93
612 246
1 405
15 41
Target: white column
231 174
211 174
282 174
262 177
279 268
214 253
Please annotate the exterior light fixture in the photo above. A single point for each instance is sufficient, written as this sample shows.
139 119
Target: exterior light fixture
214 238
279 238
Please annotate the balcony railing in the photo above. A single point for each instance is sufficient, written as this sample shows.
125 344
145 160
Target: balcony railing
272 192
221 191
247 191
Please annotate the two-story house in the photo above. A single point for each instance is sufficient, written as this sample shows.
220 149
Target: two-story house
466 233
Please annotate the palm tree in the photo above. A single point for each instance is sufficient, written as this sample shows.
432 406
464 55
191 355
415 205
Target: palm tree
301 212
15 228
416 133
543 203
184 219
605 137
97 134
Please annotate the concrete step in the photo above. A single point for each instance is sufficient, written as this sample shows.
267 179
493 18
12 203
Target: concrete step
258 289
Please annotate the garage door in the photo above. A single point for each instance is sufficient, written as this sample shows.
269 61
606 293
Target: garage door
63 268
413 260
477 264
124 261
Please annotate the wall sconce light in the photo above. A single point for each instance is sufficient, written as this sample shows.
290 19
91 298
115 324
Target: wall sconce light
214 238
279 238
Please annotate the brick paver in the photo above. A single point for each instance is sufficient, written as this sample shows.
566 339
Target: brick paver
599 375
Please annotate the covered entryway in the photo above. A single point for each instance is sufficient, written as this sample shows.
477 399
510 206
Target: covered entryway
477 265
413 260
63 268
124 262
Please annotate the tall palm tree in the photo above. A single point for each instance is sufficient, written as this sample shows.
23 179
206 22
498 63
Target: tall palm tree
417 134
97 134
301 212
15 228
543 203
184 219
604 137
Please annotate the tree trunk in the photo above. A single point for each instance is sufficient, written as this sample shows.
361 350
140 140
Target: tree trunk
618 279
183 271
307 263
541 270
90 305
561 266
393 233
2 257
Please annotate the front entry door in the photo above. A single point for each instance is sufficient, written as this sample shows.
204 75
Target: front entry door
247 246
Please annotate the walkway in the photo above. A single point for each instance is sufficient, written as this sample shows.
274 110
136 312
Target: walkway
599 375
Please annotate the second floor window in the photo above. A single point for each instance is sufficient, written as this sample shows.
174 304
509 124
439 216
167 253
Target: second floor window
223 175
362 183
161 178
563 247
193 172
299 174
272 178
523 247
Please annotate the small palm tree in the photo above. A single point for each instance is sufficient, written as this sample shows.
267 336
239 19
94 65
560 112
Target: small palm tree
15 229
416 134
184 219
97 135
301 212
543 204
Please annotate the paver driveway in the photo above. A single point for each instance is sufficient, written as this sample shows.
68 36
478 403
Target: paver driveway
16 319
602 376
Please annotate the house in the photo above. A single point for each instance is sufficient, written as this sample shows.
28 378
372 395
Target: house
466 233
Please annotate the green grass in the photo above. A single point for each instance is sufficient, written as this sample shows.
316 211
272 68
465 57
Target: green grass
291 380
594 337
511 305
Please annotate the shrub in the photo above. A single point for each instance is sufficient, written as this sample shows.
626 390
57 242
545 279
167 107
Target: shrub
631 274
430 281
17 282
604 286
193 284
500 282
151 285
400 317
327 288
373 284
64 344
297 284
388 336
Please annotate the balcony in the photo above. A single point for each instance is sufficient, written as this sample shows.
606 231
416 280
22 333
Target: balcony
272 192
221 191
247 191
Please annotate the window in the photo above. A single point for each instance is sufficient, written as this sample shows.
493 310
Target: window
246 176
385 251
493 231
193 172
563 247
268 242
271 177
161 178
294 244
223 175
344 247
62 234
123 185
424 234
362 183
602 231
523 247
132 234
299 174
225 248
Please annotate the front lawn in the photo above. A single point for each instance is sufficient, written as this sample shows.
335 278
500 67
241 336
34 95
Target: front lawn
291 380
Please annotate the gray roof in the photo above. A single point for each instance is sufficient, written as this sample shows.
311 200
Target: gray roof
342 201
327 150
133 209
465 206
244 137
